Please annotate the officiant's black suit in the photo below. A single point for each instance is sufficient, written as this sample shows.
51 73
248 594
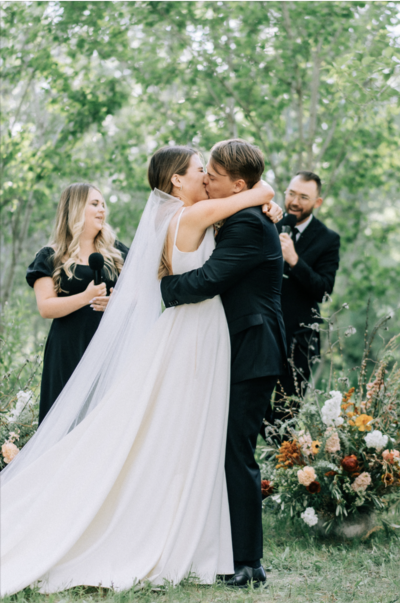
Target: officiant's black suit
303 287
246 270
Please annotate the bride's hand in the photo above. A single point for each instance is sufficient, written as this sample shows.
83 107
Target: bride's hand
273 211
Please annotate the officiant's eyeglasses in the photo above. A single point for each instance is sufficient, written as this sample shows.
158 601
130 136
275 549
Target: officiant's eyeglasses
293 195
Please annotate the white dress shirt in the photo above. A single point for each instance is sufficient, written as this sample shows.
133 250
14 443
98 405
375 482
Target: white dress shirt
301 227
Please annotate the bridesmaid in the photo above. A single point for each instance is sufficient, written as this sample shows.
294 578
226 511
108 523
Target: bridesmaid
64 285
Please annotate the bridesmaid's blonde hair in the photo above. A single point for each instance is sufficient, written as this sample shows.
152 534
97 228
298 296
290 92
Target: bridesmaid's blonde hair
70 221
166 162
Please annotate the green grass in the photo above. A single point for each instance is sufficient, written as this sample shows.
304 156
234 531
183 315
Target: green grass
303 569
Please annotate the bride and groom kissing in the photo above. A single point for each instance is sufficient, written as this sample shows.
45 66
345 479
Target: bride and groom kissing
144 468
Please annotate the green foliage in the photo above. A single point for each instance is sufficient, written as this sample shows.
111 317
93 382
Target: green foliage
92 88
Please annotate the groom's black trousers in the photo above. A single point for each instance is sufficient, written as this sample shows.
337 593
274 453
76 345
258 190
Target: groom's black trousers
249 403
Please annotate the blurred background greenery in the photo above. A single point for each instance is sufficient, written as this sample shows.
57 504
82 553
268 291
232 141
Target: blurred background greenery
91 89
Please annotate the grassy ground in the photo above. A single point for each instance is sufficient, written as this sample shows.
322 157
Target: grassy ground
302 569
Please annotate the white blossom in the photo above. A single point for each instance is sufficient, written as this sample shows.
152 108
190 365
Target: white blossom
331 410
376 439
305 442
309 516
23 399
276 498
350 331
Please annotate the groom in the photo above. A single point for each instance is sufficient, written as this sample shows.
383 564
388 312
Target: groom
246 270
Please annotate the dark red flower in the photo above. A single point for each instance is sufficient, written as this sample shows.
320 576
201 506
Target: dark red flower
266 488
314 487
350 463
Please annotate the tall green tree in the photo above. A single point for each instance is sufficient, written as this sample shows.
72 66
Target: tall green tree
92 88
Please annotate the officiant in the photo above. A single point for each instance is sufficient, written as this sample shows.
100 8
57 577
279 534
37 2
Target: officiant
311 259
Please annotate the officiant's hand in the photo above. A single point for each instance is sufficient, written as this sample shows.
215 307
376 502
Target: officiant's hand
288 251
99 304
273 211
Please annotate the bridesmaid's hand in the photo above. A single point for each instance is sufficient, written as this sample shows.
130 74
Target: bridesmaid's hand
99 304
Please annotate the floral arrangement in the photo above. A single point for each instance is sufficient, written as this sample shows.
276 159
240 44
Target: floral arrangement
18 423
341 454
18 411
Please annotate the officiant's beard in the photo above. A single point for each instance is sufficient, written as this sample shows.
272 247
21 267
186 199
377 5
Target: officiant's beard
301 216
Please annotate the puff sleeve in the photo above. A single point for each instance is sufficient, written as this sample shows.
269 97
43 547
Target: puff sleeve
41 266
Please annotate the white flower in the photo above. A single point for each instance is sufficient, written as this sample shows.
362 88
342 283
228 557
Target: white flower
276 498
331 410
332 443
361 482
309 516
375 439
350 331
305 442
23 399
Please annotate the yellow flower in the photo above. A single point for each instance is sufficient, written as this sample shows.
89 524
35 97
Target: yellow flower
362 422
315 446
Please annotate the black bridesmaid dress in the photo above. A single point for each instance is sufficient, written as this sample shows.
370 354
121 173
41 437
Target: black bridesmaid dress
70 335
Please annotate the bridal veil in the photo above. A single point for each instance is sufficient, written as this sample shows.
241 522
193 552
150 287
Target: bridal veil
133 308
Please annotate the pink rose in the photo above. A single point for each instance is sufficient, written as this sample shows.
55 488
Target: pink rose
390 455
9 451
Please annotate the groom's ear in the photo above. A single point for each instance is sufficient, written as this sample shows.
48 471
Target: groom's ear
239 186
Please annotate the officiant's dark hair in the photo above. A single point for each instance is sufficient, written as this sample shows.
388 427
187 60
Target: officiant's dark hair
240 160
308 177
166 162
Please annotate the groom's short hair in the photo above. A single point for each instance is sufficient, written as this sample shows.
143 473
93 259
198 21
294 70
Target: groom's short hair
239 159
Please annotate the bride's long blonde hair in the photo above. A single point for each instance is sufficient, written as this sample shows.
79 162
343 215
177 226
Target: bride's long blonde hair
70 221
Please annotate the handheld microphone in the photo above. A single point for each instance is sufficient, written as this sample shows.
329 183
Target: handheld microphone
96 262
288 223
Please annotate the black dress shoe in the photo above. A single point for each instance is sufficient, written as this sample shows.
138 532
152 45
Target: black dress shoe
245 575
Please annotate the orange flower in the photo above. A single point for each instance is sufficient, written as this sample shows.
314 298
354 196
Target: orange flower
350 463
315 446
347 396
362 422
331 473
289 455
266 488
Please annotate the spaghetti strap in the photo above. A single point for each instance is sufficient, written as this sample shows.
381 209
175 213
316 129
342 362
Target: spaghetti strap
177 226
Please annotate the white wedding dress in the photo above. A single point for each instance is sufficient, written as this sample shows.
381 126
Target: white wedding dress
137 490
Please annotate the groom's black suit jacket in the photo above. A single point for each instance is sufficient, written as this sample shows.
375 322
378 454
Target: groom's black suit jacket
306 283
246 270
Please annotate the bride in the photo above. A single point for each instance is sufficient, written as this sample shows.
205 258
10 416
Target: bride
124 480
